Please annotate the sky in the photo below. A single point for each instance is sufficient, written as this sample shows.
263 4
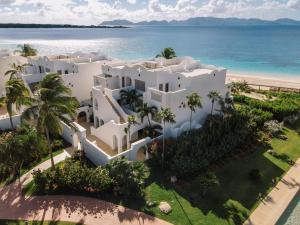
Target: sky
95 11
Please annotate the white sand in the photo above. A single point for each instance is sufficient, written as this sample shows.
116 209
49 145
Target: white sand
257 79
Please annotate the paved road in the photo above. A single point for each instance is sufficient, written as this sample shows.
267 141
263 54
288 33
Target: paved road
272 206
14 205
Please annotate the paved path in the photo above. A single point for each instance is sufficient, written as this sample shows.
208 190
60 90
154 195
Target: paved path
27 177
90 211
272 207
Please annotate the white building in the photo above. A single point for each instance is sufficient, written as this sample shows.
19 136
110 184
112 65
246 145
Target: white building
97 81
161 83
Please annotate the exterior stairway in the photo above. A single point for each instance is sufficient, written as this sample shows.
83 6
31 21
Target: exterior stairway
122 120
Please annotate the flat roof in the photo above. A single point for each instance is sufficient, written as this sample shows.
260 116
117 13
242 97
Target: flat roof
197 72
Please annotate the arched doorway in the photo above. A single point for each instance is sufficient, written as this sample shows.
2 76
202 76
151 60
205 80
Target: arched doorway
82 117
128 81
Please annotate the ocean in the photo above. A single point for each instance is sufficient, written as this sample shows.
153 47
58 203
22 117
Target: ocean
268 50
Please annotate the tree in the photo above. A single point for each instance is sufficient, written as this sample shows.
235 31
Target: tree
145 111
167 53
20 148
18 94
26 50
213 96
239 86
206 181
16 69
193 102
166 116
131 122
130 97
53 105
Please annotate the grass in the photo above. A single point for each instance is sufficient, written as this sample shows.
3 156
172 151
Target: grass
189 207
22 222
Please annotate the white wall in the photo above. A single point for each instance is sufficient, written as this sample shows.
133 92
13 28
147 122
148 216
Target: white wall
69 134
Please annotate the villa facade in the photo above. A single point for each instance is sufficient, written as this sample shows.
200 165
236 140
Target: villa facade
97 83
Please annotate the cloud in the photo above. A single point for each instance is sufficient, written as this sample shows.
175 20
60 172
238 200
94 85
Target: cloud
95 11
295 4
131 1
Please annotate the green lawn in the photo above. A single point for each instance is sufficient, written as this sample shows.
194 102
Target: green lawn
22 222
189 207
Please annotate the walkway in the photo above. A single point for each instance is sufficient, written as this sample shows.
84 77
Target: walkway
14 205
272 207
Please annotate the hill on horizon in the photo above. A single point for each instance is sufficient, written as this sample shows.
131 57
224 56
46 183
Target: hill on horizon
207 21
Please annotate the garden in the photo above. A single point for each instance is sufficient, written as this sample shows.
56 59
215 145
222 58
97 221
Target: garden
216 175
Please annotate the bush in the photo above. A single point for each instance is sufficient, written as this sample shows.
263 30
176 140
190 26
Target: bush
123 177
237 212
255 175
128 177
206 181
219 136
273 127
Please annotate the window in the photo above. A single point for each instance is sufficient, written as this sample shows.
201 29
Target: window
59 72
161 87
66 72
167 87
140 85
47 70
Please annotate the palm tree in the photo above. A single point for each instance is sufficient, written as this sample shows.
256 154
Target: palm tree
26 50
131 122
53 105
145 111
167 53
18 94
166 116
130 97
193 102
213 96
16 70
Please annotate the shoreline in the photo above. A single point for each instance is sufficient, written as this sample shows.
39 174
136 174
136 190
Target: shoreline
265 79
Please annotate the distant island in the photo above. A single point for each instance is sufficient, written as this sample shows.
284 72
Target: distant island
207 21
33 25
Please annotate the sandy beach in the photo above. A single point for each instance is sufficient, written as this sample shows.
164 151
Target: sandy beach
267 80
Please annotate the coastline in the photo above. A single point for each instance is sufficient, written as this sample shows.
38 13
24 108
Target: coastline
284 81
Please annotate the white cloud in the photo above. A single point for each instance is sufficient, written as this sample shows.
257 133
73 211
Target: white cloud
295 4
95 11
131 1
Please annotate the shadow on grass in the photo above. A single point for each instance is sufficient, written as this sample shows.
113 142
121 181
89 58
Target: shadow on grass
235 186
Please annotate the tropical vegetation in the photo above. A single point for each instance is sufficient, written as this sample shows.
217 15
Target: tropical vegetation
16 95
120 177
26 50
16 70
167 53
53 105
130 97
193 102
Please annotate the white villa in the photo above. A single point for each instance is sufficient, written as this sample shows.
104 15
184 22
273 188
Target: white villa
97 81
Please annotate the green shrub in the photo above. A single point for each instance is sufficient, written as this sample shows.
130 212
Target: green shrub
128 177
255 175
99 180
237 213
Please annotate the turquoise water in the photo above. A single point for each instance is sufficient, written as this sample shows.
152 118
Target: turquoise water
291 216
263 49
